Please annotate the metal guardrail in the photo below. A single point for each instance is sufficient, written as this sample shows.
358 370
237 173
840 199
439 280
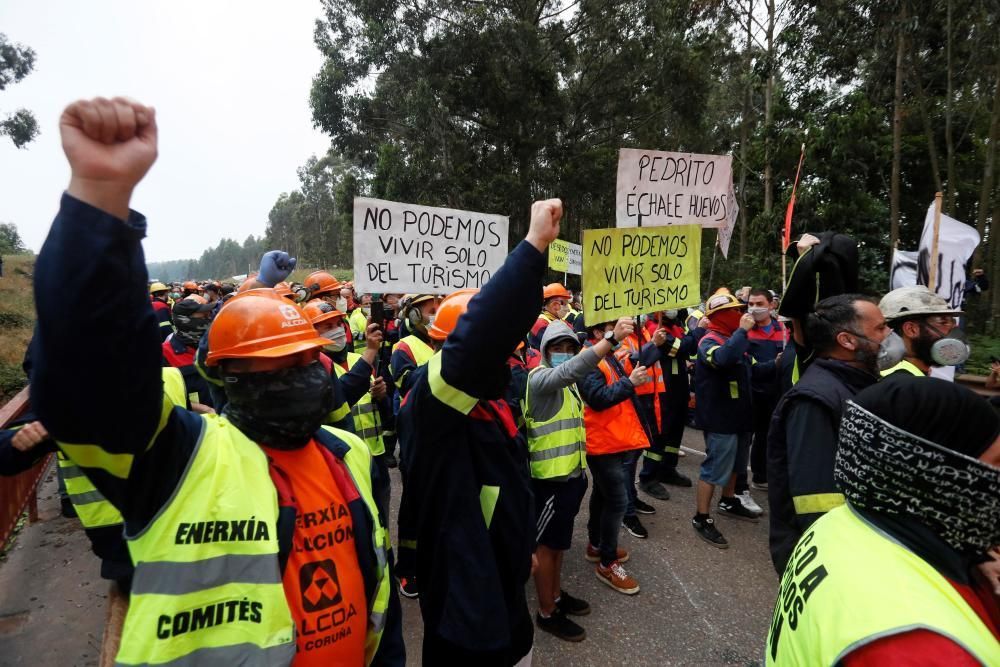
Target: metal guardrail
20 491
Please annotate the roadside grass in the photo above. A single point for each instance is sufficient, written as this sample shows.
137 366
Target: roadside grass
17 321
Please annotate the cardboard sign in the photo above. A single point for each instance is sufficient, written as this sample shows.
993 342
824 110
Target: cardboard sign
635 271
403 248
726 231
658 188
566 257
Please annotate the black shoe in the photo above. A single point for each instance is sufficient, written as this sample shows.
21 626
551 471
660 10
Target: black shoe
67 509
655 489
733 508
644 508
571 605
675 478
560 626
408 587
707 531
390 461
634 526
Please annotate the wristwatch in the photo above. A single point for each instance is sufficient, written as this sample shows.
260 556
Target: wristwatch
610 337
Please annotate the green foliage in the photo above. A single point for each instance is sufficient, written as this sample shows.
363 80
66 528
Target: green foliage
222 262
983 348
16 62
10 240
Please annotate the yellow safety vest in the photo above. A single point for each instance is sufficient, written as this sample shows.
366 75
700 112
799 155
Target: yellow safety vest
359 324
367 422
92 508
208 587
557 447
847 585
422 353
904 365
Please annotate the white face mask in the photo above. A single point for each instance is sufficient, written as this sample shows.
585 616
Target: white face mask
337 337
760 314
342 304
671 314
367 310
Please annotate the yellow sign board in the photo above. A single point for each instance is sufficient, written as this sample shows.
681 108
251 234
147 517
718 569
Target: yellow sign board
559 256
630 271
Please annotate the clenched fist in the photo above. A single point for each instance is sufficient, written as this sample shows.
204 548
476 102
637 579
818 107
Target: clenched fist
544 229
110 145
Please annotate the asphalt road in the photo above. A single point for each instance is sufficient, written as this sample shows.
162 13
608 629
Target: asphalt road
698 605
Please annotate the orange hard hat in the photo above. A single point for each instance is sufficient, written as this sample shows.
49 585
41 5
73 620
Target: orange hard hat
260 324
321 282
197 298
452 307
285 290
318 311
556 290
191 285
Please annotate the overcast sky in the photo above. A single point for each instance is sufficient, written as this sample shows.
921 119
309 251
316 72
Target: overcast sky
230 83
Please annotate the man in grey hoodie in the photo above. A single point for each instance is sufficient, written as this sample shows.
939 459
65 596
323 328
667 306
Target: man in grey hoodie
553 412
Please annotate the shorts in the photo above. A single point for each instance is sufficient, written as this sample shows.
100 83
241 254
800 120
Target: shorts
720 456
556 507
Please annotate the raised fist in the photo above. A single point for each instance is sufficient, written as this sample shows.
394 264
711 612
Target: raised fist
275 266
544 229
110 145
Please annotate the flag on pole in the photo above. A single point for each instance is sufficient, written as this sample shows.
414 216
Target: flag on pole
791 203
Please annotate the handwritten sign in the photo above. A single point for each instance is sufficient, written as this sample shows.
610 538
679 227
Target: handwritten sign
634 271
726 231
658 188
566 257
408 248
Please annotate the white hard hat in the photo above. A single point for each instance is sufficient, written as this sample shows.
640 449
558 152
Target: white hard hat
915 301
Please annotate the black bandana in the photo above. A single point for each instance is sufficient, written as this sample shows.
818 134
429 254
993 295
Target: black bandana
884 469
190 329
281 409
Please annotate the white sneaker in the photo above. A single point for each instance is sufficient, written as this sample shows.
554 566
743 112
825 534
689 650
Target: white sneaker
748 502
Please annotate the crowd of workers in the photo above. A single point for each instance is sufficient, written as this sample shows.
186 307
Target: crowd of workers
242 499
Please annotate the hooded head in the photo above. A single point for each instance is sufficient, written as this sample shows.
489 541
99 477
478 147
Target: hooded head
560 341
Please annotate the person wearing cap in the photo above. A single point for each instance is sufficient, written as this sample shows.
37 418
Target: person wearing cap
255 534
845 333
188 288
469 487
723 408
555 300
158 293
894 576
192 317
553 414
926 325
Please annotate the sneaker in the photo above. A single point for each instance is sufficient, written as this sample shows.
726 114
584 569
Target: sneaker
644 508
594 554
390 461
707 531
634 526
408 587
557 624
760 486
655 489
734 509
675 478
681 453
571 605
747 501
615 576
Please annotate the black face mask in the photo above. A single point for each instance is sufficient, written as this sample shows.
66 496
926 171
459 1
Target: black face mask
282 408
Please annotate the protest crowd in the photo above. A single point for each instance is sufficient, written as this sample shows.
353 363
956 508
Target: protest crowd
241 499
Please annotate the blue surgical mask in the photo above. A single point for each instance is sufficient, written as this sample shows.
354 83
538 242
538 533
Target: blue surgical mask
557 358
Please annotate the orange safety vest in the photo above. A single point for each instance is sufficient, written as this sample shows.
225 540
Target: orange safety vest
616 429
632 345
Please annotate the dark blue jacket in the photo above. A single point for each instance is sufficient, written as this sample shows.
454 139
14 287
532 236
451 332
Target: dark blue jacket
722 382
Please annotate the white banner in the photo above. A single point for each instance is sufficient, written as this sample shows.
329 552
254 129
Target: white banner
657 188
904 269
956 243
404 248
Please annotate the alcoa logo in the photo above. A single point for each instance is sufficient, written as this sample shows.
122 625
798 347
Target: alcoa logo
293 318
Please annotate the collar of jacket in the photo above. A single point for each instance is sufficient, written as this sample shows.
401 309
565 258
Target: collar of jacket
854 377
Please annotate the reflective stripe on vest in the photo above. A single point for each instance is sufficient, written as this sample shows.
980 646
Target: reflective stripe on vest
93 509
557 446
217 541
843 587
367 422
904 365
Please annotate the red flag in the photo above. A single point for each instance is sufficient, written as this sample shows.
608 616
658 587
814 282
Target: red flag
791 204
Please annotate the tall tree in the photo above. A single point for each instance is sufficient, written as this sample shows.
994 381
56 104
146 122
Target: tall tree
16 62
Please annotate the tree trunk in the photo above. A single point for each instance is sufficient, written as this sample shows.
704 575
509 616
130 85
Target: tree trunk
897 133
949 142
988 174
994 249
745 132
769 112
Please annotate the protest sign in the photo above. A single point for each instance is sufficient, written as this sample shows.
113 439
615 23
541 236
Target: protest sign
566 257
726 231
634 271
659 188
956 243
404 248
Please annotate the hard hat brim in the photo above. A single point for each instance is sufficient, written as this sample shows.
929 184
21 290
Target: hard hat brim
286 350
